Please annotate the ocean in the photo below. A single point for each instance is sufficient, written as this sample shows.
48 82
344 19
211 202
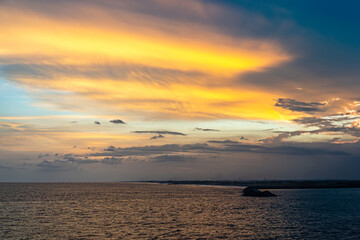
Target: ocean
160 211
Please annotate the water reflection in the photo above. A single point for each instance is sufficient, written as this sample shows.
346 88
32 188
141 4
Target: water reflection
154 211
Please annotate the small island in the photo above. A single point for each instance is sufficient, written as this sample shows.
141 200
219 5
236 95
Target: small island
254 192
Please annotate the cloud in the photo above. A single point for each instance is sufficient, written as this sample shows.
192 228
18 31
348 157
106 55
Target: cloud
206 129
327 122
70 162
14 127
42 155
111 160
222 141
314 122
86 161
110 149
161 132
227 148
3 167
282 136
73 122
154 149
97 122
167 65
69 157
172 158
157 136
282 150
297 106
345 125
325 66
77 160
117 121
56 165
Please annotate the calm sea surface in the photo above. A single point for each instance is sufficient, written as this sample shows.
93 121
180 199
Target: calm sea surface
154 211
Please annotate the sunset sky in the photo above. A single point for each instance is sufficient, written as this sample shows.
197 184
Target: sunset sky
179 89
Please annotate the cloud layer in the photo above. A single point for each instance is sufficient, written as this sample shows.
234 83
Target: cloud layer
178 88
157 61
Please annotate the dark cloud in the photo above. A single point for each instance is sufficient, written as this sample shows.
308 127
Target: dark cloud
78 160
326 62
314 122
282 150
110 148
157 136
71 162
316 80
222 141
335 125
5 167
117 121
172 158
86 161
282 136
111 160
206 129
161 132
155 149
69 157
97 122
73 122
297 106
42 155
56 165
326 122
342 124
228 147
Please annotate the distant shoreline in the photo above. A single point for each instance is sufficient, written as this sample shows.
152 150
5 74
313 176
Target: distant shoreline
259 184
272 184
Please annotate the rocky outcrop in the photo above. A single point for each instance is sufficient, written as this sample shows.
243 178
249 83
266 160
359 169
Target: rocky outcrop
254 192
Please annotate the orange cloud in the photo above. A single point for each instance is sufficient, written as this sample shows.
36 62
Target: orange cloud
205 59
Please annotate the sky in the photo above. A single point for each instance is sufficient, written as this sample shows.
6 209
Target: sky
179 90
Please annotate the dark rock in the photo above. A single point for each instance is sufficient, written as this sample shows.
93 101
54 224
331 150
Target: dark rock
254 192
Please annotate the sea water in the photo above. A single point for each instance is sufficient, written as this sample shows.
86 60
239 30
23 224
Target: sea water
160 211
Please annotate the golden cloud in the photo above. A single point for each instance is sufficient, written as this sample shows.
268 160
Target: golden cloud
202 59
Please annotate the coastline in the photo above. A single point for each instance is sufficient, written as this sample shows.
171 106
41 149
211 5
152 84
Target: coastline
270 184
